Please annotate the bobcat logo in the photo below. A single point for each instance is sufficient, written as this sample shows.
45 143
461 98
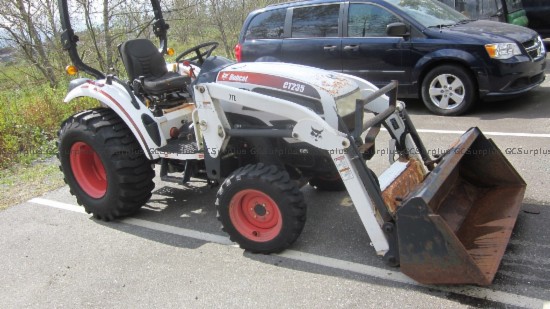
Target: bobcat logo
316 134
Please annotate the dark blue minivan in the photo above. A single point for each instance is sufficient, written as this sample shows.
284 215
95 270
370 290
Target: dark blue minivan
436 53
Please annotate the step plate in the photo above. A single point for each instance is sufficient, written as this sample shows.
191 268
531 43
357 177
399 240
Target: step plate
180 149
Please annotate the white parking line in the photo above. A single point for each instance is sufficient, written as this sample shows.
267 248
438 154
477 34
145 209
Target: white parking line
56 204
511 134
371 271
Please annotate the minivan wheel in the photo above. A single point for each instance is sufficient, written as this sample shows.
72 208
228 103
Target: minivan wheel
448 90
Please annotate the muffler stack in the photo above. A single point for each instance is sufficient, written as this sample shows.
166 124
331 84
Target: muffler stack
455 227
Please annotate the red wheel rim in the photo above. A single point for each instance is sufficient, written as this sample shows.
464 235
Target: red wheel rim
88 170
255 215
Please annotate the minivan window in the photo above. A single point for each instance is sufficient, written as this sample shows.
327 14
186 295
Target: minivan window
367 20
429 13
268 25
484 9
315 21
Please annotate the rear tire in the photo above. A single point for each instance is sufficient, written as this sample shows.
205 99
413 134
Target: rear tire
104 165
334 182
328 183
261 208
448 90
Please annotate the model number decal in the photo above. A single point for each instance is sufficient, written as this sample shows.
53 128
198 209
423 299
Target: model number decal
267 80
294 87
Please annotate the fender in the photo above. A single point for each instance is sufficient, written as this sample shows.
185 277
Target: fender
448 55
117 98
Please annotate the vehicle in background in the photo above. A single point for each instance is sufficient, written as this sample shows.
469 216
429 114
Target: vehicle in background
436 53
508 11
538 12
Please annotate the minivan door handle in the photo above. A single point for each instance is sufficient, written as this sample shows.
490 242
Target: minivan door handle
351 47
330 47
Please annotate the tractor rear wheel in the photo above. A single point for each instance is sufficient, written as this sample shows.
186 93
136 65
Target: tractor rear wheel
261 208
333 182
328 183
103 164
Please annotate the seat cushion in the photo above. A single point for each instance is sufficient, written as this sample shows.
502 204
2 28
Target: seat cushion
169 82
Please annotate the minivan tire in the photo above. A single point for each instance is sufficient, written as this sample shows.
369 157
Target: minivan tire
444 84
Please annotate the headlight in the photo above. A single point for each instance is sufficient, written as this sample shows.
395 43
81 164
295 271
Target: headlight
346 105
502 50
542 47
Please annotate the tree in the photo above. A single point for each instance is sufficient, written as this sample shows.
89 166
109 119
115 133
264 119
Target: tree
32 26
25 25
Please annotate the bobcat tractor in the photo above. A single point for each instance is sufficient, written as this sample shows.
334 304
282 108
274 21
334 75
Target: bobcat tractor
261 131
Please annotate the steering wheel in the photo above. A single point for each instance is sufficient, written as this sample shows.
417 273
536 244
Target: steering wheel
199 56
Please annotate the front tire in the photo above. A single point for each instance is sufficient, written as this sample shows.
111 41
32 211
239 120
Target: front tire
261 208
104 165
448 90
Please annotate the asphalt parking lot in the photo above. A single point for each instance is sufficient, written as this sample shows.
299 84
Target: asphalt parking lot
173 253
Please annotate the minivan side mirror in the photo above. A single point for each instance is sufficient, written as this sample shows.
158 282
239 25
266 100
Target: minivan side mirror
397 29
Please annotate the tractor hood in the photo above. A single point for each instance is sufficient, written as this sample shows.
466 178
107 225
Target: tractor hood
292 78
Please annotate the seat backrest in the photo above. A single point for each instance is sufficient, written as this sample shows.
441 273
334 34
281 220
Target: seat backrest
142 58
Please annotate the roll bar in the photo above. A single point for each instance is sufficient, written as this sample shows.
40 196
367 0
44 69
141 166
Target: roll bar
69 39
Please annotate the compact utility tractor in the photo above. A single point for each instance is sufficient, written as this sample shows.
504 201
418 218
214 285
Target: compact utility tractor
263 130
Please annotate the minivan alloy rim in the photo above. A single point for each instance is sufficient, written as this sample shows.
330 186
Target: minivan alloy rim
447 91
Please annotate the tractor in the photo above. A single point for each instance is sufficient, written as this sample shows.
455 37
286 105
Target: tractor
260 132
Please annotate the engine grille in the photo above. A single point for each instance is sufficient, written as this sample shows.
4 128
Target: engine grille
534 48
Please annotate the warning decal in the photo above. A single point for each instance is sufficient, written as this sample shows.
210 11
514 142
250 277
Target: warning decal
342 165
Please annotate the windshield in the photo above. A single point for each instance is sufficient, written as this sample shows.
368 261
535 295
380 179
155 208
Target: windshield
429 13
514 5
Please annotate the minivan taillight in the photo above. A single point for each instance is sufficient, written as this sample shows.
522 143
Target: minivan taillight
238 52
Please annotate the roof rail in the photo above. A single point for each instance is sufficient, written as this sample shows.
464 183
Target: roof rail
284 3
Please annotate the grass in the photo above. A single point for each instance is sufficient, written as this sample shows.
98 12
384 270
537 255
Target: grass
21 182
30 116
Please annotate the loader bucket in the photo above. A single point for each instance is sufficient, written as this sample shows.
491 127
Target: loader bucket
455 227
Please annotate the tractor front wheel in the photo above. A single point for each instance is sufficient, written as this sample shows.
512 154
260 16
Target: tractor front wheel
104 165
261 208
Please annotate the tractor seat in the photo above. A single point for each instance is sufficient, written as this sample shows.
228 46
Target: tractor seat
141 58
169 82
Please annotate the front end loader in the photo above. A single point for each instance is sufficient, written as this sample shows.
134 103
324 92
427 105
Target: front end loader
261 131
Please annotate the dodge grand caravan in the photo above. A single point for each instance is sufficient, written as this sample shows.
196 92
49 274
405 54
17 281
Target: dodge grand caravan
436 53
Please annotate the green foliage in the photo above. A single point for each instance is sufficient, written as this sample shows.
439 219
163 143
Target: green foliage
29 119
